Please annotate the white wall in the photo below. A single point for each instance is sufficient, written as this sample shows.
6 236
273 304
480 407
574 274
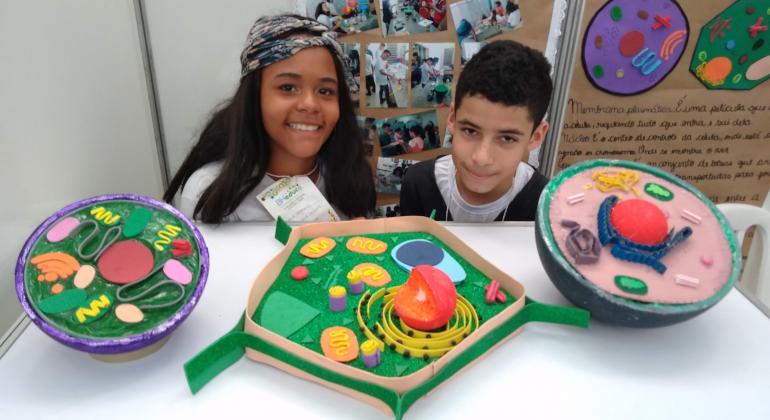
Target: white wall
74 116
439 50
470 10
196 48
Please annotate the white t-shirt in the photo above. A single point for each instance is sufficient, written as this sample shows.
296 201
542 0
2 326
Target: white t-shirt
325 20
456 205
250 209
368 66
425 72
514 19
379 78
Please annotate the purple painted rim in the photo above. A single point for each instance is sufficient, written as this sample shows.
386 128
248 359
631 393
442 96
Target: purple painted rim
112 345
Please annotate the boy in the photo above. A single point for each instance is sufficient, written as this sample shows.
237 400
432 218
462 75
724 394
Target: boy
496 118
381 75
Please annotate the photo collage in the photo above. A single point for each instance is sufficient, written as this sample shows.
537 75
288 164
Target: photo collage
405 57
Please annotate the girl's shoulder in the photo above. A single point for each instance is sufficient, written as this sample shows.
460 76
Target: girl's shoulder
195 186
204 176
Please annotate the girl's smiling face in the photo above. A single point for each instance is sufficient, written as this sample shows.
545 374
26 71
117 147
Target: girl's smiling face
300 107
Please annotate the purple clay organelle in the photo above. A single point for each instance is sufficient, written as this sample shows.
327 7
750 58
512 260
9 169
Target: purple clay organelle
583 246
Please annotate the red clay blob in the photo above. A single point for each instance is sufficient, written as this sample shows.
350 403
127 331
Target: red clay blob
639 221
299 273
427 300
125 262
631 43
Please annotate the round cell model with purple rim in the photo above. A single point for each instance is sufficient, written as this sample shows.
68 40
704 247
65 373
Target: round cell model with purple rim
57 253
630 46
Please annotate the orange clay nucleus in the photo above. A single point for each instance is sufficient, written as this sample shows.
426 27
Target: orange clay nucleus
716 70
428 299
639 221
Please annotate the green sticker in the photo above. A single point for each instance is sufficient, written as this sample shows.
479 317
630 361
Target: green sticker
401 368
658 191
307 339
285 315
136 222
64 301
616 13
598 71
631 285
96 307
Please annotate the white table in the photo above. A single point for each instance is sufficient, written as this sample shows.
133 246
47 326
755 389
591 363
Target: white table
715 366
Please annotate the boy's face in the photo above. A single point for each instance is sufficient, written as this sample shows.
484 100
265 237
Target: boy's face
488 141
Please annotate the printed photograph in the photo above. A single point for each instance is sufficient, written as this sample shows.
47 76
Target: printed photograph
479 20
353 62
390 172
469 49
385 70
447 142
344 16
406 134
368 133
432 74
403 17
390 210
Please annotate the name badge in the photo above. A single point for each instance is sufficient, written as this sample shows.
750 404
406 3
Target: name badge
297 199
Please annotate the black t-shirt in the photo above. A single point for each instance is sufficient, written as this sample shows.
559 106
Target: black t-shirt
420 195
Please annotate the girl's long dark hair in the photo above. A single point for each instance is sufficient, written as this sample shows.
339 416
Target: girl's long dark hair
417 130
320 11
236 135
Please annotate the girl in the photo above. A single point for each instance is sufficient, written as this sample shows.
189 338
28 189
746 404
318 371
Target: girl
426 7
323 14
291 115
416 143
430 134
438 14
499 10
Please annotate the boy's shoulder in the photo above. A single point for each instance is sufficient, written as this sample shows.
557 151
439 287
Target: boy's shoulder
538 180
422 175
524 205
419 192
420 170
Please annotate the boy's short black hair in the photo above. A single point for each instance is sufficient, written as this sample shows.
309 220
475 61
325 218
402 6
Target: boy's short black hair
508 73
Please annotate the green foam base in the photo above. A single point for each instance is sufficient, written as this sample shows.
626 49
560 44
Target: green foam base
282 230
284 314
331 270
227 350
